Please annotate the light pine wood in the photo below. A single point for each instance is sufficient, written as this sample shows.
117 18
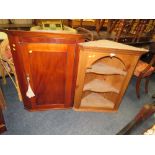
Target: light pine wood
87 58
81 78
96 100
2 100
111 44
97 85
107 61
101 68
109 79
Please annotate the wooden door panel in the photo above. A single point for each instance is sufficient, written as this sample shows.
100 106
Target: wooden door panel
50 69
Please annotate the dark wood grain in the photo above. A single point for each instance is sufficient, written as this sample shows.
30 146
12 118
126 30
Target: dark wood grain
145 112
51 67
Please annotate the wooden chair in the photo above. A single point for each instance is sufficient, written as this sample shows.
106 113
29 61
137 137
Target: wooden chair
83 29
7 65
98 24
144 70
87 34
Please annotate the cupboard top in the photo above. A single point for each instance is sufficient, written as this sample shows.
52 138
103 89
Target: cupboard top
32 35
111 44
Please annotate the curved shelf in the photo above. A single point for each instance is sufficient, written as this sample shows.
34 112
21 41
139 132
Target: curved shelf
102 68
97 85
96 100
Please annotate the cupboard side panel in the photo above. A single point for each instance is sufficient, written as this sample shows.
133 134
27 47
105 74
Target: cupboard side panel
18 55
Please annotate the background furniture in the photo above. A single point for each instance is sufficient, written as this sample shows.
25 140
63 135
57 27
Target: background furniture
2 123
145 112
144 66
91 28
131 31
87 34
55 27
144 70
104 71
46 67
150 131
2 105
60 26
2 100
19 24
86 23
7 65
16 26
2 36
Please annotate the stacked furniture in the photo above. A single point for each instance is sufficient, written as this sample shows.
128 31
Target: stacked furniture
131 31
47 66
24 24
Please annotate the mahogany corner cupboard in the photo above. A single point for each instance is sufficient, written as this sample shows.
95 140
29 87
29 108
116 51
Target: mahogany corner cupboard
58 71
45 64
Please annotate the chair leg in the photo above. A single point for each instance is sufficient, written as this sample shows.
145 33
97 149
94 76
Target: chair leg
2 72
146 84
16 82
17 87
138 87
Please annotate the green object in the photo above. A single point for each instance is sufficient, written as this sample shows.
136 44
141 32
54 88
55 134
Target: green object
54 28
3 36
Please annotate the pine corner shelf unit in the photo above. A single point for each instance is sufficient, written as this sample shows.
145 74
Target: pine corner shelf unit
104 71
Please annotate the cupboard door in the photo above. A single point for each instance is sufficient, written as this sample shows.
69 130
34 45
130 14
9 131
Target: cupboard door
49 69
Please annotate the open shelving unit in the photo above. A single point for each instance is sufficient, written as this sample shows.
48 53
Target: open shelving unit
97 85
102 68
104 71
96 100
